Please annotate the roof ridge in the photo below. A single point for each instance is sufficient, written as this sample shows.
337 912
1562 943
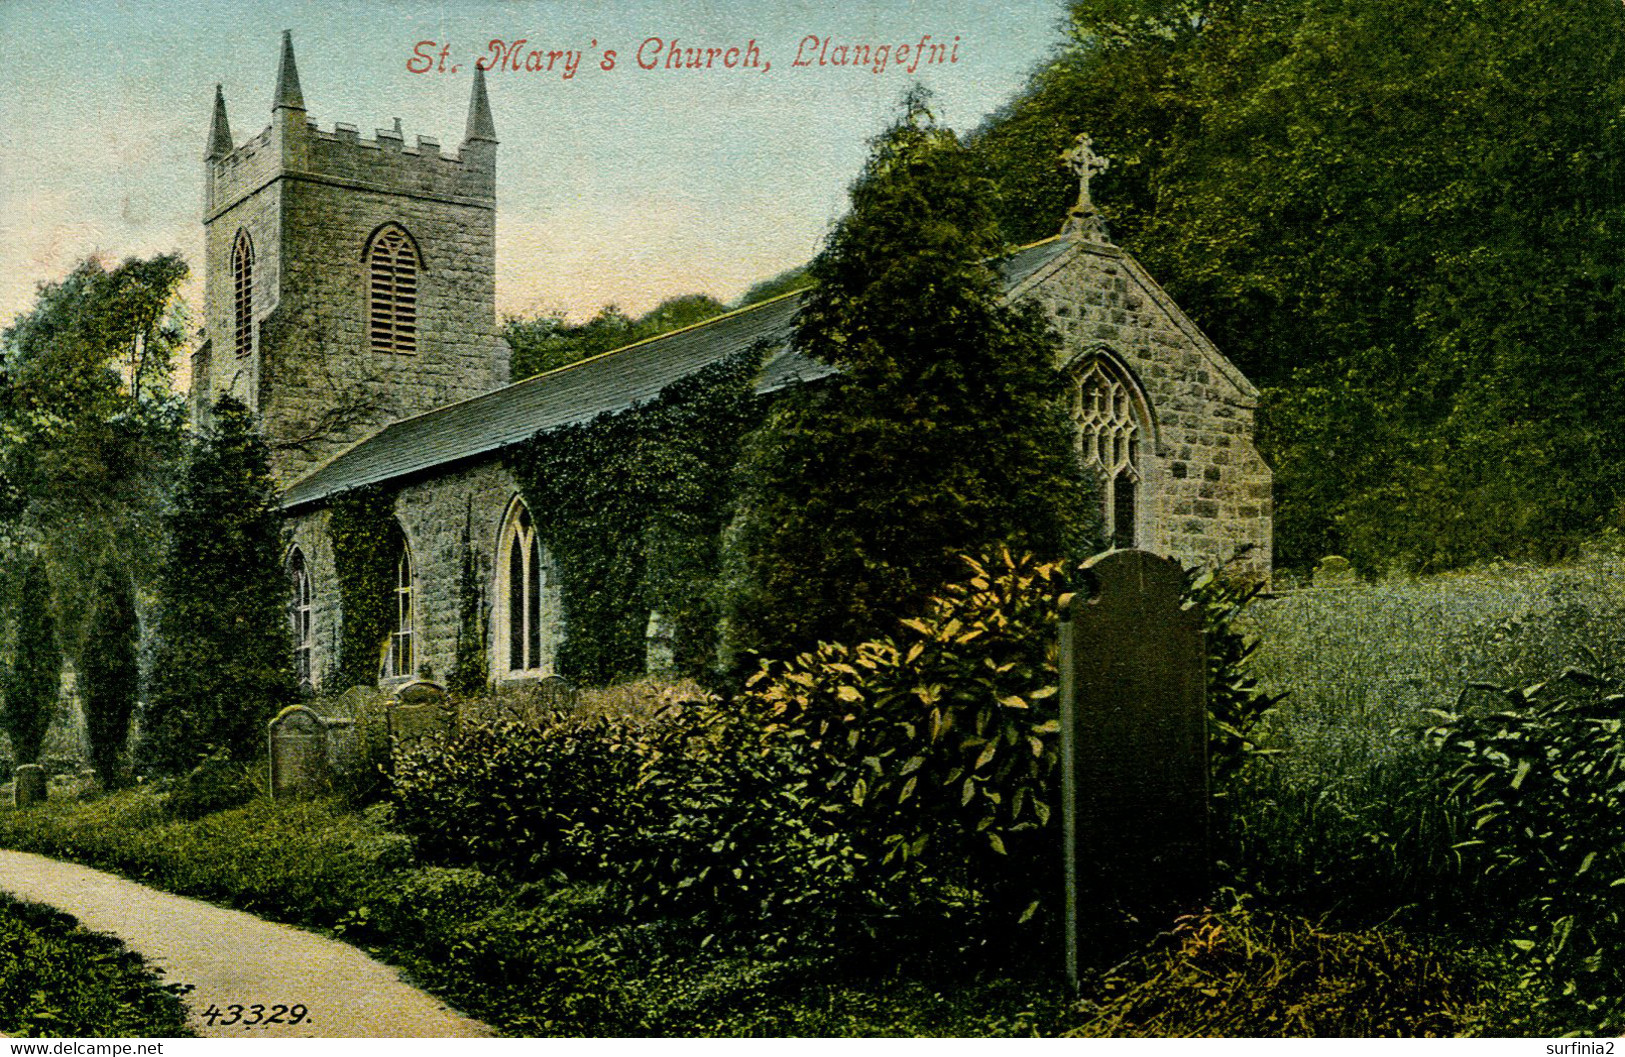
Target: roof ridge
401 422
707 321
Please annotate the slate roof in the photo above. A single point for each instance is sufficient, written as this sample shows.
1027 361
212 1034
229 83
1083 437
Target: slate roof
579 392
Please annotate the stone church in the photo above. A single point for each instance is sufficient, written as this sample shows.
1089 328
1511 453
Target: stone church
350 301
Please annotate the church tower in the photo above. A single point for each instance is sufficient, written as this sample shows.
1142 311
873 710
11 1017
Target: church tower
348 282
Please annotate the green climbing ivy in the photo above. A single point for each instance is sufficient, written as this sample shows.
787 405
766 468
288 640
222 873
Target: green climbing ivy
631 505
472 669
366 545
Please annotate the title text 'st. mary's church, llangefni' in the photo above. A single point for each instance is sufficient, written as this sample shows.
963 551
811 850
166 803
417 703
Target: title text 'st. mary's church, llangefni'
349 300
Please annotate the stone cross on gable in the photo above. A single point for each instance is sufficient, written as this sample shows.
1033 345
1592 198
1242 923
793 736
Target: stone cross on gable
1082 161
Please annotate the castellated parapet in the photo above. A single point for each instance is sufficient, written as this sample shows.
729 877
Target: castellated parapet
306 207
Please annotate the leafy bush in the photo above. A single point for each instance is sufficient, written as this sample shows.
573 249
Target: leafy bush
902 781
1542 781
524 799
59 980
217 783
727 831
936 753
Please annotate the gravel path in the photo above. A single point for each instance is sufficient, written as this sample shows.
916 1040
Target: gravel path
232 958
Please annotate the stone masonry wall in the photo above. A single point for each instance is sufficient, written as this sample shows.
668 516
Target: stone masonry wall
311 200
432 514
318 350
1206 491
261 217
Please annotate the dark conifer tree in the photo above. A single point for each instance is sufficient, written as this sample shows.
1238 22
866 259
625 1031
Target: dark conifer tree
109 673
223 662
33 679
941 435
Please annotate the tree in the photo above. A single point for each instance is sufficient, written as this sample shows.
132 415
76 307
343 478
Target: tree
1401 219
34 677
550 340
942 435
109 673
223 661
90 428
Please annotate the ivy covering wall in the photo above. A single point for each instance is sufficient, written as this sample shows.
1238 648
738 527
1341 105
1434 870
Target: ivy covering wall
631 506
471 670
366 546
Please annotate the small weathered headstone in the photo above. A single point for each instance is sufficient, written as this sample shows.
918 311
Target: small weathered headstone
1333 571
1134 745
555 691
299 766
421 710
28 784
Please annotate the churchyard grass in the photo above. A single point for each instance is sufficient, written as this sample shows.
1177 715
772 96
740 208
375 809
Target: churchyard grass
561 959
1352 880
56 979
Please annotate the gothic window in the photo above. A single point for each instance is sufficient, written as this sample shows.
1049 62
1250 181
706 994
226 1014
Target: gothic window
400 660
1106 408
392 291
242 292
524 579
299 614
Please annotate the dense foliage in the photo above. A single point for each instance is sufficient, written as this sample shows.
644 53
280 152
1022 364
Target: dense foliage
900 793
59 980
1540 781
526 799
941 435
550 340
1401 219
109 675
367 544
33 676
1240 974
222 662
90 425
630 507
471 666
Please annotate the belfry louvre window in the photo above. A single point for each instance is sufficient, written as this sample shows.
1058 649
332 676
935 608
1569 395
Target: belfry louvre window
242 291
1104 407
392 292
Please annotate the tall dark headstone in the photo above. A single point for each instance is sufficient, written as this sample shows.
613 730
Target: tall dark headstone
1134 746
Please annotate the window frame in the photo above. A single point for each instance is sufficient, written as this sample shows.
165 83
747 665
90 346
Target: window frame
392 274
531 637
400 649
1112 418
301 613
242 293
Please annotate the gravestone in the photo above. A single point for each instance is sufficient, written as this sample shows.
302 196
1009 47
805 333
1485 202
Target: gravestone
299 764
555 691
1134 747
1333 571
420 710
28 784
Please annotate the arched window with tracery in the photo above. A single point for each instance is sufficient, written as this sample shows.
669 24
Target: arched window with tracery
392 290
299 613
1109 412
242 293
522 642
400 660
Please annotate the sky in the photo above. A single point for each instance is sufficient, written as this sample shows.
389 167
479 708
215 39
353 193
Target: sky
623 186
